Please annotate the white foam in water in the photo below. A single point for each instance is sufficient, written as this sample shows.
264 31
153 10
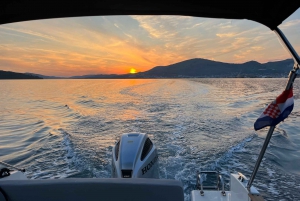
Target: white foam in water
59 164
272 189
270 172
228 154
195 126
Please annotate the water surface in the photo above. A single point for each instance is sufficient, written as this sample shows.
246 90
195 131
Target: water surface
67 128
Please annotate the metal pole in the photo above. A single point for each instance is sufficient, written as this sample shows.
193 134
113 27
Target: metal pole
288 47
292 76
260 157
13 167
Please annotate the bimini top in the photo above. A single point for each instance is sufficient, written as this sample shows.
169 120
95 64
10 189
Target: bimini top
269 13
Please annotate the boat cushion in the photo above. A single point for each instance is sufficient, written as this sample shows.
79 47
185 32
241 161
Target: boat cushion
90 189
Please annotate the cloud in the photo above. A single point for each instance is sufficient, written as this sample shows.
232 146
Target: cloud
158 26
225 35
239 56
115 44
29 32
257 48
291 23
195 25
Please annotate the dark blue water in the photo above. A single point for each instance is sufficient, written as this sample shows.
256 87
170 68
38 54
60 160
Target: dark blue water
67 128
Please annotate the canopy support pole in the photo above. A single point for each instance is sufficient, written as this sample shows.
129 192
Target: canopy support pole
284 41
292 76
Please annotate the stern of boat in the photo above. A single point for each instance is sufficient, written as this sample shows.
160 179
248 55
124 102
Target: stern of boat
238 188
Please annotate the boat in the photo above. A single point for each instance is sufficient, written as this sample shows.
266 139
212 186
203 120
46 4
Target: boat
135 159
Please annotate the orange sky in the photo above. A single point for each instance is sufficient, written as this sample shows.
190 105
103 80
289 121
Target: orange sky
115 44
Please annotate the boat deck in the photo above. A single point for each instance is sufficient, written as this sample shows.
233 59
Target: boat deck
210 196
217 196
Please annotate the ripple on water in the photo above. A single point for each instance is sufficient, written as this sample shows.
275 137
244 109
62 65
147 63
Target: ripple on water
69 129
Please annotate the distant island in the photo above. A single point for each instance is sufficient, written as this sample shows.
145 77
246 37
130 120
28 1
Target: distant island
193 68
14 75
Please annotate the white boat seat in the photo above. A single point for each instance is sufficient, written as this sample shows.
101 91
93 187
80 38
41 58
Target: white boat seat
92 189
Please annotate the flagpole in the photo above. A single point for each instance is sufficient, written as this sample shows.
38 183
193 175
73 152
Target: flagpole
292 76
260 157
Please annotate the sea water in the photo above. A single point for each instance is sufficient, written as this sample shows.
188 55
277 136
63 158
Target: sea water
67 128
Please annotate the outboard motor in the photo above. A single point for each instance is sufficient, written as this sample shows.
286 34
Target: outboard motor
134 156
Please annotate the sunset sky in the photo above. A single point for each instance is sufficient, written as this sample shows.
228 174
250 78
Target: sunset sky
116 44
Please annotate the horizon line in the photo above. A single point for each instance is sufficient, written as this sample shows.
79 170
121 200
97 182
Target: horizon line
149 68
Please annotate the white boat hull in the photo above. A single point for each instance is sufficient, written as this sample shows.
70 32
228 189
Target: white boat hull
238 191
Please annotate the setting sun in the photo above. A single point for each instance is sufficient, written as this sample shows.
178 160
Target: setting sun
132 71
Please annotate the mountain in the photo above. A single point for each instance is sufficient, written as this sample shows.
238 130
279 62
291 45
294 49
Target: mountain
96 76
197 67
191 68
107 76
44 76
13 75
208 68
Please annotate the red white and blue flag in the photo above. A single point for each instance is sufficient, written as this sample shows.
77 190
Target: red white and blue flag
277 111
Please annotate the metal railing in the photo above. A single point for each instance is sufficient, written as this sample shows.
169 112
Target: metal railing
201 179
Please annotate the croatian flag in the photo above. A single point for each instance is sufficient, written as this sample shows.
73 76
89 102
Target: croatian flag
277 111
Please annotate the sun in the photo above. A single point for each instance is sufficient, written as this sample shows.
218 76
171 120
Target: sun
132 71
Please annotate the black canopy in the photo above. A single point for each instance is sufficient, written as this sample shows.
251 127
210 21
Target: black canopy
268 13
